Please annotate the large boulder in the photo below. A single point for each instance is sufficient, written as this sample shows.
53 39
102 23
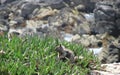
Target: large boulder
107 17
27 9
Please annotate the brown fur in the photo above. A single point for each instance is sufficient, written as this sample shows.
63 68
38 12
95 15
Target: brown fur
64 53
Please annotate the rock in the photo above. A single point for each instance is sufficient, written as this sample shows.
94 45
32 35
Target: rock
80 7
110 52
4 25
22 32
43 28
13 32
107 69
105 11
12 23
4 12
87 5
28 32
6 1
89 17
35 1
107 17
69 37
34 23
27 9
84 28
55 4
89 41
44 13
75 37
70 21
15 21
105 26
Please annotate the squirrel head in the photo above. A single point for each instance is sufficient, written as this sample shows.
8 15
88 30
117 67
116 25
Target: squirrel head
60 48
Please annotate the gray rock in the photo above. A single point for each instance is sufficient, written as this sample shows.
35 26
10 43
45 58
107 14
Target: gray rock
105 26
55 4
89 41
27 9
4 25
107 17
107 69
6 1
4 12
104 11
118 24
43 13
70 21
110 53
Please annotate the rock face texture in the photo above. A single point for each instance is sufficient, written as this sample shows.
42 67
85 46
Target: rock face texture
106 17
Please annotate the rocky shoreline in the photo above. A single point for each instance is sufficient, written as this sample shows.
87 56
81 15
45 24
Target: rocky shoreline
95 24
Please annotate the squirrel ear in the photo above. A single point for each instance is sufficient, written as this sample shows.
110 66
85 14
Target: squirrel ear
60 45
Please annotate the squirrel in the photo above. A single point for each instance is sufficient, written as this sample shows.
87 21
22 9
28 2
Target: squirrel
64 54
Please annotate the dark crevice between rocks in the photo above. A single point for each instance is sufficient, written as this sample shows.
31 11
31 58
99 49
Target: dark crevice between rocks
100 44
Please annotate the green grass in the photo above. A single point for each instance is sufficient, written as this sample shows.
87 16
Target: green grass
37 56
